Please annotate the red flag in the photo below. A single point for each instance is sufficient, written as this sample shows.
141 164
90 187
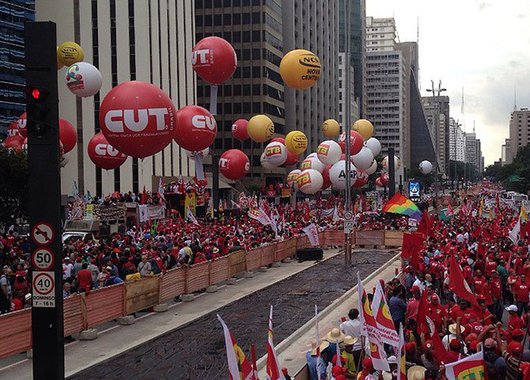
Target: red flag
425 223
273 367
458 284
143 199
421 317
449 211
412 245
238 365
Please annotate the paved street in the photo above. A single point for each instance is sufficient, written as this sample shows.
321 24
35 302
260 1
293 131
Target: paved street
197 351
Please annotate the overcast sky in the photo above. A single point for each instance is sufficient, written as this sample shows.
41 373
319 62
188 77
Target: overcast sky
483 46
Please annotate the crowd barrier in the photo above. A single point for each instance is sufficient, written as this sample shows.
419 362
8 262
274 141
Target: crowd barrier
83 311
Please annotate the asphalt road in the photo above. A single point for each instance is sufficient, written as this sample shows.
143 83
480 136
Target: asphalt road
197 351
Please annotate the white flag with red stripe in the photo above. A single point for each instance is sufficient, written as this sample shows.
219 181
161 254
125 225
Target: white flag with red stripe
273 367
383 318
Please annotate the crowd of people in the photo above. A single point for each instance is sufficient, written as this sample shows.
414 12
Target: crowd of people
491 247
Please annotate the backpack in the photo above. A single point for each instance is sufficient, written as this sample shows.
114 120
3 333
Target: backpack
154 267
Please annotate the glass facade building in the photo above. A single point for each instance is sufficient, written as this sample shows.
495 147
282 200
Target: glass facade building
13 14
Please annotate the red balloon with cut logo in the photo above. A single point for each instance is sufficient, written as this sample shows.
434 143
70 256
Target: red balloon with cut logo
104 155
214 59
292 158
137 118
21 123
325 177
356 142
12 130
14 142
234 164
196 128
239 129
67 135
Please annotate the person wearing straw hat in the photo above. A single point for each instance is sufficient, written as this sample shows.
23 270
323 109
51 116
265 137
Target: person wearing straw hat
349 358
313 361
454 332
333 337
416 372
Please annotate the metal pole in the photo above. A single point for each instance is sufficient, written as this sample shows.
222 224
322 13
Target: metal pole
391 173
347 129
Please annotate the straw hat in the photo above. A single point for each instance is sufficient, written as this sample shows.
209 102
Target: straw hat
416 372
323 345
452 329
349 341
335 336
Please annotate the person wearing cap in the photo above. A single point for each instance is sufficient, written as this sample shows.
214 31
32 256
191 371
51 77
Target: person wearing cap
348 356
413 303
511 354
514 320
454 354
316 364
68 270
392 363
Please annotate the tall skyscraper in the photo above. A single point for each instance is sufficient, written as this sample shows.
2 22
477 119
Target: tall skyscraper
127 40
357 25
255 31
519 130
506 152
437 113
474 151
457 141
380 34
12 74
312 25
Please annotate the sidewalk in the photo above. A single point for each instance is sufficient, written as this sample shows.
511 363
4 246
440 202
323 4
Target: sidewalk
80 355
291 352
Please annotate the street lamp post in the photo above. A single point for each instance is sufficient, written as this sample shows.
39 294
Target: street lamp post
436 102
347 129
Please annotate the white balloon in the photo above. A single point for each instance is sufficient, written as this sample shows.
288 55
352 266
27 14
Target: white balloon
363 159
310 181
65 158
83 79
372 169
337 174
397 163
374 145
329 152
292 177
275 153
425 167
265 163
312 162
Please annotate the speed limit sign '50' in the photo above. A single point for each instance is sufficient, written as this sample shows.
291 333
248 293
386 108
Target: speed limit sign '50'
43 259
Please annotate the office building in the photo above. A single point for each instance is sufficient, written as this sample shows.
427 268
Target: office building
437 113
381 34
506 152
313 25
457 141
519 130
357 27
474 151
126 40
13 14
255 31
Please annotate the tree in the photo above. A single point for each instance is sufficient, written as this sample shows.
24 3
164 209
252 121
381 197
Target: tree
13 186
515 176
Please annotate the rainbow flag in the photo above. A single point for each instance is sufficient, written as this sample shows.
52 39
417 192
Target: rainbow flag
399 204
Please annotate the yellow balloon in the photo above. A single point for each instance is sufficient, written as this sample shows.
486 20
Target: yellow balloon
330 128
300 69
69 53
296 142
260 128
364 128
59 63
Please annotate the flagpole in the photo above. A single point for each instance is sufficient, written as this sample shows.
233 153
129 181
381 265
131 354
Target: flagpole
318 342
347 127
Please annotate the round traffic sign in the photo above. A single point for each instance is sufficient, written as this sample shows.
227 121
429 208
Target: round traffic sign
43 259
42 233
348 215
43 283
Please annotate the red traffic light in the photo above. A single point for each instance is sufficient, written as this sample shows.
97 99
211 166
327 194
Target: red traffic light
35 93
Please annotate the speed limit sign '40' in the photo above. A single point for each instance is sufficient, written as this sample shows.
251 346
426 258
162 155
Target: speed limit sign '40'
43 289
43 259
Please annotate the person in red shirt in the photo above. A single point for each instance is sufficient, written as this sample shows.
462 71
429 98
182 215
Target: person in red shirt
464 312
84 279
483 314
478 282
514 320
437 312
522 294
413 303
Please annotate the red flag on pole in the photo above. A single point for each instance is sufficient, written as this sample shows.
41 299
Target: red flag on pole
412 245
273 367
458 284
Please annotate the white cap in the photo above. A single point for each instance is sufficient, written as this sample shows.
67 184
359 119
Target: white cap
512 308
392 359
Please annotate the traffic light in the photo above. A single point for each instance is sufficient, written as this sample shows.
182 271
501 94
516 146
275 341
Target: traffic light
38 110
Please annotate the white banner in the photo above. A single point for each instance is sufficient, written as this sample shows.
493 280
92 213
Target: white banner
147 212
312 233
143 214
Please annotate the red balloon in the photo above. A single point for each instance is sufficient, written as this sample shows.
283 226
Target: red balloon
385 179
214 60
279 139
239 129
378 182
292 158
67 135
14 142
361 179
234 164
104 155
22 122
13 129
325 176
137 118
356 142
196 128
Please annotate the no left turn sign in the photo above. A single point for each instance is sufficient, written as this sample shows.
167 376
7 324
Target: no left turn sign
42 233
